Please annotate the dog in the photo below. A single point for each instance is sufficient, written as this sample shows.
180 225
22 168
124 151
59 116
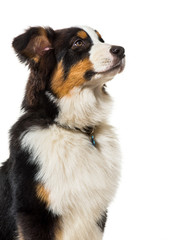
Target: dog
64 164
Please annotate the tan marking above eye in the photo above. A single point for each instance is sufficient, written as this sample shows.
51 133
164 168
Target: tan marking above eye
99 35
62 87
82 34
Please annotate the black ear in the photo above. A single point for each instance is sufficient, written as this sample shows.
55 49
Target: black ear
33 44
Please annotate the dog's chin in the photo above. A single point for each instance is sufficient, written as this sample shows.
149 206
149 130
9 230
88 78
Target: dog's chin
97 79
110 73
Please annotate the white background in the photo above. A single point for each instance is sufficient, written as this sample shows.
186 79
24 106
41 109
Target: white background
152 103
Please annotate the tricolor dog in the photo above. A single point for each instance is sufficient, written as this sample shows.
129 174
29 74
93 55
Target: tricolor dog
64 162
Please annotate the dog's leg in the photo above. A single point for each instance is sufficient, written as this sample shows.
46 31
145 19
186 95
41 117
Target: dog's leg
34 220
80 227
46 227
38 226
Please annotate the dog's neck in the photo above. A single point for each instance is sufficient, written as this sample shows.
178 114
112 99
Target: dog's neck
83 107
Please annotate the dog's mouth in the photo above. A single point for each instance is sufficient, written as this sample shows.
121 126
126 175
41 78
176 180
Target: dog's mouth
120 65
113 70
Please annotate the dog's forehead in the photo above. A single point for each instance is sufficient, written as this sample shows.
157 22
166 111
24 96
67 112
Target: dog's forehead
83 32
93 34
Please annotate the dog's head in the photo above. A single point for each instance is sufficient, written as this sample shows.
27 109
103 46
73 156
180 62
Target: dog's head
64 59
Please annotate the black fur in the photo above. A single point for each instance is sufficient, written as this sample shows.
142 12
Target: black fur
7 214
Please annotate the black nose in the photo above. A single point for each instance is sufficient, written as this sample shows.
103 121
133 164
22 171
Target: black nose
118 51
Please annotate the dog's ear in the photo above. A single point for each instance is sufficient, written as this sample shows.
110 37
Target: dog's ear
33 44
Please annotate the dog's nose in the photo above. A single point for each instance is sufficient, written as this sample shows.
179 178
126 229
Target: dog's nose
118 51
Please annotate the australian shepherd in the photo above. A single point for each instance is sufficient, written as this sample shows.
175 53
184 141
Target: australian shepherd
64 162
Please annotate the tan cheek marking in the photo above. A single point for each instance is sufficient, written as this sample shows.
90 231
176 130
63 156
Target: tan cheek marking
58 80
75 77
82 34
42 194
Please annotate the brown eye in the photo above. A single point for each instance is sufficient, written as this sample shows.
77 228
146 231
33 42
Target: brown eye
78 43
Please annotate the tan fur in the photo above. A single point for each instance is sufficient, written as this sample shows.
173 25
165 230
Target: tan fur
36 59
82 34
20 235
58 234
58 80
61 86
42 194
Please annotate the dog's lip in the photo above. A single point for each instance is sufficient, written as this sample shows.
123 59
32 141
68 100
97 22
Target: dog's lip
114 67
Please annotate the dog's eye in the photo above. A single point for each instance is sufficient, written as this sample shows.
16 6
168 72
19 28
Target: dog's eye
78 43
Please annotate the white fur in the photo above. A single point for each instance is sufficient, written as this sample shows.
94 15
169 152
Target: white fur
80 178
84 107
101 57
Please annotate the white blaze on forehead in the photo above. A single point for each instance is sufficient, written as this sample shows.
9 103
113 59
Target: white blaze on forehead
92 33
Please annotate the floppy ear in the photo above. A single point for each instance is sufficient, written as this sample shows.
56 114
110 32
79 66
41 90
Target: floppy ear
33 44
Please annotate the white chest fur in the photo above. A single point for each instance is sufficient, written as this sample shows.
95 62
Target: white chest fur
81 179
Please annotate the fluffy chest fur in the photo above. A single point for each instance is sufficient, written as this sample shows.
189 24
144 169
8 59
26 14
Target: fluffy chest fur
80 179
74 172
